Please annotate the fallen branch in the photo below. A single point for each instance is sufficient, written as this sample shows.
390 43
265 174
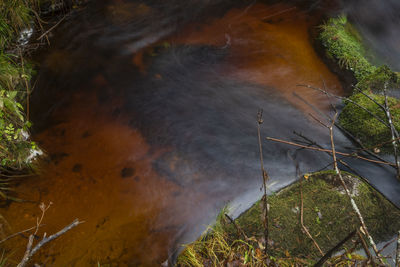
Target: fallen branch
353 155
349 100
334 249
29 252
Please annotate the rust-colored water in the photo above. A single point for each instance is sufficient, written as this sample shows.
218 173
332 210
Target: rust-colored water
101 170
270 45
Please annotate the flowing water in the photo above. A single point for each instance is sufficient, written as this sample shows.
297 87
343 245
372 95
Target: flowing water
147 112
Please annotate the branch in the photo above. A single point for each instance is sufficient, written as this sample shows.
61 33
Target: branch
334 249
18 233
30 252
329 151
365 247
349 100
341 128
398 250
353 203
238 228
265 179
392 131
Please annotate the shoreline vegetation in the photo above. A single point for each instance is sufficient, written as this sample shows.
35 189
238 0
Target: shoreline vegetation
16 147
20 22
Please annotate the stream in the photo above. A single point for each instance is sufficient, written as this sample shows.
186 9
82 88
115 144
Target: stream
147 112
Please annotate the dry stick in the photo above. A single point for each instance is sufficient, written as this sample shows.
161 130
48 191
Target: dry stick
379 105
353 203
31 251
398 251
365 247
342 129
18 233
387 244
349 100
340 160
265 179
392 130
329 151
238 228
301 217
49 30
334 249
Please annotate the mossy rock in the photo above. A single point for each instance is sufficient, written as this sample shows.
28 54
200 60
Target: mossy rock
344 44
369 130
327 214
377 80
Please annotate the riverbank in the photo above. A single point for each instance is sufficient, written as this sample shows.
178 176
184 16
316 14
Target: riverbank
15 86
326 212
364 115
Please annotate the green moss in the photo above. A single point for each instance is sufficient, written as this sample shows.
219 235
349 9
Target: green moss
344 44
327 215
15 75
320 194
378 78
363 125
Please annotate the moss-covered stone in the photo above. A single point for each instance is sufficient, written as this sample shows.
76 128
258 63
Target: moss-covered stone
380 77
343 43
327 214
363 125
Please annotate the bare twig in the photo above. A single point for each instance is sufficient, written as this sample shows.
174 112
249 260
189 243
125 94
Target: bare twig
353 203
392 130
29 252
18 233
265 179
237 227
378 104
349 100
353 155
49 30
301 213
334 249
340 127
365 247
398 251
